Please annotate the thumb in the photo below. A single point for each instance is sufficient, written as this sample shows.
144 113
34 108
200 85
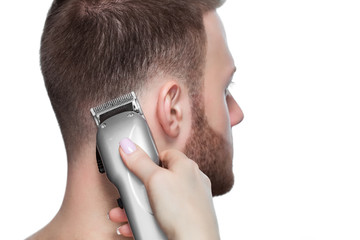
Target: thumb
137 161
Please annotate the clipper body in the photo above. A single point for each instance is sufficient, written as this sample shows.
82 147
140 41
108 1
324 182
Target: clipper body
116 120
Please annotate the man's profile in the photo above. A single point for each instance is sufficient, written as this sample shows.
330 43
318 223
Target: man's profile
174 55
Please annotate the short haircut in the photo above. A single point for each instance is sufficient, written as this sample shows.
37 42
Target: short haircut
96 50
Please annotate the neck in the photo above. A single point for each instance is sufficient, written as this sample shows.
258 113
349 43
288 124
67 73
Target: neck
88 198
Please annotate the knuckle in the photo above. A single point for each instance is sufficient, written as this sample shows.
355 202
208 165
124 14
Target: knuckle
155 179
164 154
135 161
207 180
193 165
170 153
190 165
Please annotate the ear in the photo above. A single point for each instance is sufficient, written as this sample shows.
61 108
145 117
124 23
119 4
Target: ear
169 110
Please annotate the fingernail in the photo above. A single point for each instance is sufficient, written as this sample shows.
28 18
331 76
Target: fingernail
118 231
108 216
127 145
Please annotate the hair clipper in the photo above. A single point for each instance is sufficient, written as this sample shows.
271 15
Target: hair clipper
118 119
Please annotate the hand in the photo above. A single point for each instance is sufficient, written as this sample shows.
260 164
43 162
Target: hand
179 194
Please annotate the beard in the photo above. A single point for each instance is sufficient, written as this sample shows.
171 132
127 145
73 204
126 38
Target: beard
211 151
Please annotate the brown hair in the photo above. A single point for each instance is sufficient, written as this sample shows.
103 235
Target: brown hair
96 50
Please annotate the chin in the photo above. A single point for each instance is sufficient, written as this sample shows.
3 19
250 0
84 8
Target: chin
222 185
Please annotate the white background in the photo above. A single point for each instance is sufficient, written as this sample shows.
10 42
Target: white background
297 153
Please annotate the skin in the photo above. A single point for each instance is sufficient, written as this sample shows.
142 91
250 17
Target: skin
179 178
210 141
89 195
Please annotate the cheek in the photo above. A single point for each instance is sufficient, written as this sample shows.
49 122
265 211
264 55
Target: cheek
217 115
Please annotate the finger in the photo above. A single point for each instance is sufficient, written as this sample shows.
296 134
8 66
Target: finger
137 161
172 158
206 179
124 230
118 215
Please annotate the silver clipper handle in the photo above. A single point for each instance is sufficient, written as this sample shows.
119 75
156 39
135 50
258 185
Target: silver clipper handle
129 124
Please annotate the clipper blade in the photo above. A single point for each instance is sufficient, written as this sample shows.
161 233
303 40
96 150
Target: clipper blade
127 102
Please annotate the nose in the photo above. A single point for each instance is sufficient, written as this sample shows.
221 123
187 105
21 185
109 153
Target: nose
235 113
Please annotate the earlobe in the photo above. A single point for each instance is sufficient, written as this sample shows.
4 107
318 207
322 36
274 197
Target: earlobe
169 109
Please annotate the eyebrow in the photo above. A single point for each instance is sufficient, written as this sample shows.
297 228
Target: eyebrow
233 71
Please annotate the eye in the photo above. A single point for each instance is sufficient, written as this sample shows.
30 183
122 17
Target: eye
227 90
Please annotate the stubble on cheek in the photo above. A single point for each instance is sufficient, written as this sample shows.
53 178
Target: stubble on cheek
211 151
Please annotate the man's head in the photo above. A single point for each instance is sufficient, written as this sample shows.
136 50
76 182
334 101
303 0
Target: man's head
96 50
210 142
